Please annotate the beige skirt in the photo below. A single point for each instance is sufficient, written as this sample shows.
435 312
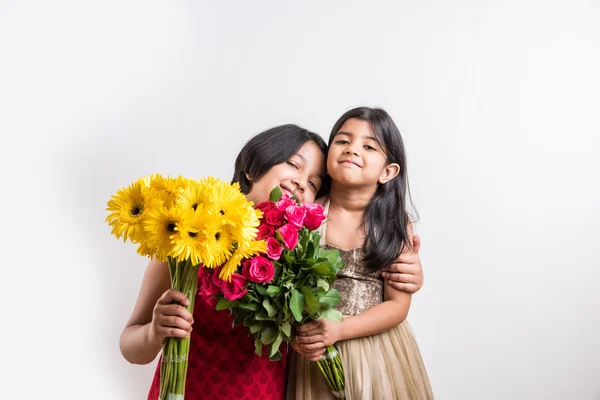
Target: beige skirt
384 366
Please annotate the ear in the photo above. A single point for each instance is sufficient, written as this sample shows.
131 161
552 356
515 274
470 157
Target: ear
248 177
389 172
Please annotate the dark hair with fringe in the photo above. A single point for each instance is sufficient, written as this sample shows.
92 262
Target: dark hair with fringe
270 148
386 218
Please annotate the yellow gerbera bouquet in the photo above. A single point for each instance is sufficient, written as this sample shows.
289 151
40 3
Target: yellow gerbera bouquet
186 223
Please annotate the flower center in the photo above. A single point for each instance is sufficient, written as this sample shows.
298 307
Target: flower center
136 210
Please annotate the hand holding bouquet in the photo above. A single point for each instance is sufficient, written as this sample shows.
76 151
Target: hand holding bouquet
186 223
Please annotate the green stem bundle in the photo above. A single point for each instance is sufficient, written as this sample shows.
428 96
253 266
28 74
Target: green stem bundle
174 364
333 371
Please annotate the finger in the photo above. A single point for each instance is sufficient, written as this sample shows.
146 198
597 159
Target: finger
173 295
404 287
313 346
170 321
401 278
307 327
175 310
406 257
416 244
173 332
402 268
309 339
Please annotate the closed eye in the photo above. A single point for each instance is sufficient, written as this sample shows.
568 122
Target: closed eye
293 165
341 141
314 186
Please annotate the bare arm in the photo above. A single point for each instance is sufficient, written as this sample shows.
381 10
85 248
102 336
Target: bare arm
154 317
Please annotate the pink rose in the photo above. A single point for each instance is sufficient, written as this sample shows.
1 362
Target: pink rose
211 301
266 206
246 268
295 216
289 234
274 248
236 288
275 218
215 277
209 288
260 270
315 215
284 202
265 231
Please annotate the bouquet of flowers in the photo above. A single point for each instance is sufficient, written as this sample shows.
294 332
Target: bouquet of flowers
287 285
186 223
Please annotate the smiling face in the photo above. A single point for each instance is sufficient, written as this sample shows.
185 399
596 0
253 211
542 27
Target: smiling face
355 157
300 175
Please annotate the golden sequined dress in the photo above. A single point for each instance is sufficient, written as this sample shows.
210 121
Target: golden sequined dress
383 366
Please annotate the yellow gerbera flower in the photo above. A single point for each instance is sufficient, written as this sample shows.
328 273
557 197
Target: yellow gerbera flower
236 210
160 227
192 195
128 209
191 239
168 188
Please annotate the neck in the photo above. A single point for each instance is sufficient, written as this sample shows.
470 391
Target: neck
350 198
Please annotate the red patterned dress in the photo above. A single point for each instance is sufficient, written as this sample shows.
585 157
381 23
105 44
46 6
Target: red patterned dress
222 362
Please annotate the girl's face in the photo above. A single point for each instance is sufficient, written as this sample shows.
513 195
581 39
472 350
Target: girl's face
355 158
301 175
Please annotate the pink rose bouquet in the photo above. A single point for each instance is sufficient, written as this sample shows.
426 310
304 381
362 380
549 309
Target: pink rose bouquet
287 286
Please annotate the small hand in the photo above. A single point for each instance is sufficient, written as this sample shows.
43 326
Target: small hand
406 272
170 319
317 335
312 355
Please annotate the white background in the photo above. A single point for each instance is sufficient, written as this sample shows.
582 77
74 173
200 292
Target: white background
498 102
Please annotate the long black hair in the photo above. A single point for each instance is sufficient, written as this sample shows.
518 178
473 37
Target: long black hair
269 148
386 218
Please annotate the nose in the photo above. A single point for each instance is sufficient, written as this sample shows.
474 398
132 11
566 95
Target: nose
351 149
299 184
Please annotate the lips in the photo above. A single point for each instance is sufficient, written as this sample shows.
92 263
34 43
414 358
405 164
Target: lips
286 190
350 162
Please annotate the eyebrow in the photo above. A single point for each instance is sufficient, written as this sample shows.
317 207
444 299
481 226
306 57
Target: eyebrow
352 135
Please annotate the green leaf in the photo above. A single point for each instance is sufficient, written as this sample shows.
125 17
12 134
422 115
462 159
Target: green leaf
224 304
297 304
323 284
286 254
268 334
258 345
310 250
332 255
275 194
311 301
263 316
276 357
249 306
271 311
255 328
331 315
260 289
275 346
331 298
273 291
286 328
323 269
